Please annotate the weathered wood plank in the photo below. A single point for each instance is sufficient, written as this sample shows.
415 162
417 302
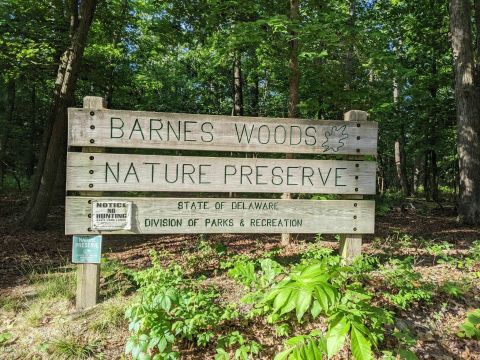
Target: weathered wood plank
216 215
122 172
136 129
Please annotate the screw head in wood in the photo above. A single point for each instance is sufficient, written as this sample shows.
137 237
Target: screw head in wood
357 165
89 229
358 124
92 127
89 215
354 229
358 137
356 177
354 216
355 204
92 157
92 113
89 201
92 141
356 189
90 185
91 171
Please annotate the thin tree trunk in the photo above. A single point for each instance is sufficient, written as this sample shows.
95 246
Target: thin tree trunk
400 158
33 131
426 178
293 85
468 112
55 138
10 110
237 109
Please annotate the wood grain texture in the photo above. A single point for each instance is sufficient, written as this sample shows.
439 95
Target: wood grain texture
136 129
350 244
122 172
216 215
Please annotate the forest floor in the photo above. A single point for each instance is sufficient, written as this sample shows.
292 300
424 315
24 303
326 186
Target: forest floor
37 283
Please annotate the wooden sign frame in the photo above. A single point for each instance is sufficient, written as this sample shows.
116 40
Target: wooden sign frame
92 173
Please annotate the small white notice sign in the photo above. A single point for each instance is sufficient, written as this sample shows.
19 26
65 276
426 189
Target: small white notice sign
111 215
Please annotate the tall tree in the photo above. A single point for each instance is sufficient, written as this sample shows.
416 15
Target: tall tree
468 113
54 139
293 83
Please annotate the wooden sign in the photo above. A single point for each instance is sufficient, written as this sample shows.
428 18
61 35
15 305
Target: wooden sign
86 249
216 215
113 172
138 129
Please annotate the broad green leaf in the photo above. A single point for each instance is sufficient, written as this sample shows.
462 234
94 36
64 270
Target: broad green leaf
336 335
302 303
281 298
361 347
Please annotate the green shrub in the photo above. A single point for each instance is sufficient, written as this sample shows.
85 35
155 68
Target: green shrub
470 328
404 285
172 308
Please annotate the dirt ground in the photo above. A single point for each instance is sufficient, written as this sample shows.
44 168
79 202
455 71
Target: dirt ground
23 252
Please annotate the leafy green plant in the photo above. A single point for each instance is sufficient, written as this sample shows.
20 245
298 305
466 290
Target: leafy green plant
171 308
304 347
243 350
454 289
365 323
474 251
470 328
437 250
405 287
318 252
245 272
305 287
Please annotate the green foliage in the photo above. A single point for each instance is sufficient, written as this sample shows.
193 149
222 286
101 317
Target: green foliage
171 308
454 289
404 284
365 323
55 284
437 251
474 251
5 337
470 328
304 347
255 274
75 348
243 350
306 287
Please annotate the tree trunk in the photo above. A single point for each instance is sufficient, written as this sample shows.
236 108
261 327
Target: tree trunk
54 141
33 132
400 158
468 113
237 109
426 178
9 112
254 94
293 85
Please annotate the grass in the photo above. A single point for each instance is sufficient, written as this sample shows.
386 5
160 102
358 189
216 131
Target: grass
12 303
55 284
75 347
110 315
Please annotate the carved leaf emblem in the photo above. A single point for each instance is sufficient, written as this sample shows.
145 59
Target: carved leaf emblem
335 137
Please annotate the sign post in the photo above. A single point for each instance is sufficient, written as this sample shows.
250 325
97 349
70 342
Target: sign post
88 274
351 244
93 172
